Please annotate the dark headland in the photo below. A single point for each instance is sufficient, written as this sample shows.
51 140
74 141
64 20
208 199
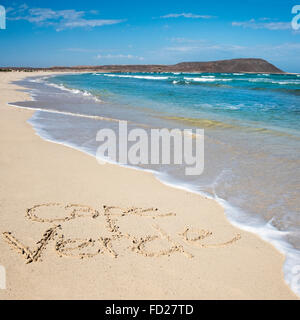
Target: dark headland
220 66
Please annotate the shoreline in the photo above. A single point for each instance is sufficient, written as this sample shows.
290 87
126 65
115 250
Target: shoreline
220 283
82 71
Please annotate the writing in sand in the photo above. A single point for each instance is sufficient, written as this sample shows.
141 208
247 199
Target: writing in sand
110 235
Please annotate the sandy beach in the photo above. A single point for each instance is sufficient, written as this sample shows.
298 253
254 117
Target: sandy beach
73 229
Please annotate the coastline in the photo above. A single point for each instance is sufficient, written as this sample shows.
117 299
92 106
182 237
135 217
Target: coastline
39 172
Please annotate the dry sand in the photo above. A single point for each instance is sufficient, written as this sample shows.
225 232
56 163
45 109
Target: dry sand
186 249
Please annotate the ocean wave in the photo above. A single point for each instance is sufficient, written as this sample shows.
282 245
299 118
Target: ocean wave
286 82
84 93
35 80
72 114
136 77
257 80
264 80
177 78
205 79
39 80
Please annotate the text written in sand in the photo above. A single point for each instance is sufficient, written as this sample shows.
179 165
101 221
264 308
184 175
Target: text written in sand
112 238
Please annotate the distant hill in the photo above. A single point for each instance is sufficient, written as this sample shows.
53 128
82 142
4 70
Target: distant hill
229 66
222 66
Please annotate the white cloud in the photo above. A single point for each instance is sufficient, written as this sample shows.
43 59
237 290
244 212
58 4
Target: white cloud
119 56
253 24
90 23
60 19
182 49
185 40
205 46
186 15
81 50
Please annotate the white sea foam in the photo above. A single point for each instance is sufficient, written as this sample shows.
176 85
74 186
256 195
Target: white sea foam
72 114
75 91
39 80
205 79
258 80
286 82
136 77
273 81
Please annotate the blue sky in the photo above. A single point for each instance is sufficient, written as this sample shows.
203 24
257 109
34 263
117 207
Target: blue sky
50 33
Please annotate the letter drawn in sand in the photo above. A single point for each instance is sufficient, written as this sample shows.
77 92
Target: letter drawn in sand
159 243
200 234
31 256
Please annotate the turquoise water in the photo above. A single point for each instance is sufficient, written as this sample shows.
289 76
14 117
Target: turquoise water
252 136
268 101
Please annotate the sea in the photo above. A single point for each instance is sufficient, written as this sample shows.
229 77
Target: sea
251 126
